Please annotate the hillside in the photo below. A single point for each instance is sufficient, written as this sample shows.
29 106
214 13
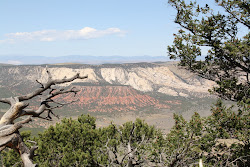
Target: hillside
117 89
113 99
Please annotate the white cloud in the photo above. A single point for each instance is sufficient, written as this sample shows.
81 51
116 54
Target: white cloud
55 35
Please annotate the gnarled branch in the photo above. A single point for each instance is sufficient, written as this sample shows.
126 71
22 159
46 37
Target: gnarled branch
9 135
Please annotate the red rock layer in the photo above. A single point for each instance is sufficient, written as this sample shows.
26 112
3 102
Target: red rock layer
112 98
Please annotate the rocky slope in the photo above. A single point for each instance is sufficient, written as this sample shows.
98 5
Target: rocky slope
121 87
114 99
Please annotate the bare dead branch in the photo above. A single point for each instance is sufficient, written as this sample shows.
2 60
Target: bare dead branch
5 100
9 135
48 85
10 129
40 83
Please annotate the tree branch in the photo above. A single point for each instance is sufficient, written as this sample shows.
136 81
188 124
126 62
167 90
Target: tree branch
9 135
48 85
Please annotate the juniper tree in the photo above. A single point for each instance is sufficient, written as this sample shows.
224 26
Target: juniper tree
227 61
130 144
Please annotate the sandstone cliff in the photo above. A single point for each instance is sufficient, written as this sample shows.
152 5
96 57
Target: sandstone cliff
126 87
146 77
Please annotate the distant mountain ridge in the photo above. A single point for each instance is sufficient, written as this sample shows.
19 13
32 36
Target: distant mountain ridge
36 60
115 90
140 85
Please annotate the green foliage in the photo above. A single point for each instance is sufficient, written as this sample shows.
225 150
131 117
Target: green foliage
79 143
69 143
129 143
221 139
227 60
10 157
182 143
228 132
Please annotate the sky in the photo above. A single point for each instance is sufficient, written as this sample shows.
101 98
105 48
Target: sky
86 27
55 28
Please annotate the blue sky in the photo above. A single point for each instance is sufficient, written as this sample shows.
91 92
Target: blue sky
86 27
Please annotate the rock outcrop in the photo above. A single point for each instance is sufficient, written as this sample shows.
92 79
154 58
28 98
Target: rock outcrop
114 99
124 87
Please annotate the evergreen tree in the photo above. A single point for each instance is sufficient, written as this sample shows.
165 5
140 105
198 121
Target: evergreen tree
221 139
227 61
130 144
80 143
70 143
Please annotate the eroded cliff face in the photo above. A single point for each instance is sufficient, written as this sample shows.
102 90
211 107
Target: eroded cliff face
114 99
167 79
124 87
163 79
